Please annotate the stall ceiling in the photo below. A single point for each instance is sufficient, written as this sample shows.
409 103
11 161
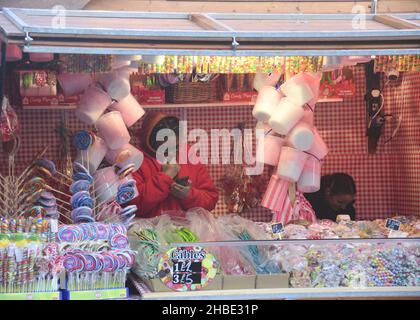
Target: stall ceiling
44 4
257 6
209 33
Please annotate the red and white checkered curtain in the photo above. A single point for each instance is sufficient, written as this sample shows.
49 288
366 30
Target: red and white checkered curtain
388 182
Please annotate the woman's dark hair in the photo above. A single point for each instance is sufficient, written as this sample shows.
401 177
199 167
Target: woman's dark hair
339 183
169 122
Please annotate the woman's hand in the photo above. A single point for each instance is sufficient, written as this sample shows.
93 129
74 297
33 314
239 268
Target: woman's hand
171 169
180 191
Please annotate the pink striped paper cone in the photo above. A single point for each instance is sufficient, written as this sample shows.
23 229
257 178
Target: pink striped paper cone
275 194
285 214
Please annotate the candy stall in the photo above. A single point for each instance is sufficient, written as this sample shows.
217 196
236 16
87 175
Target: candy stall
313 94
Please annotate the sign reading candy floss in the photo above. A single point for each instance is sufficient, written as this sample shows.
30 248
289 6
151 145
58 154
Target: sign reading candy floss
187 268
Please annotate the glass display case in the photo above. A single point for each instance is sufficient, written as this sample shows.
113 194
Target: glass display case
255 265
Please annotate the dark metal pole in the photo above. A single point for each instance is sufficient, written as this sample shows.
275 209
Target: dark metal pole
3 71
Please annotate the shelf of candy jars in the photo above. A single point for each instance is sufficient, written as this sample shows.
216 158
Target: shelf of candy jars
65 231
257 260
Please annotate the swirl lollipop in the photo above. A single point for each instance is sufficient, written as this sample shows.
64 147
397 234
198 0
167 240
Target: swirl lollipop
47 199
78 167
126 192
47 203
85 143
47 168
128 210
52 213
82 214
81 199
80 185
82 140
34 185
81 173
82 176
121 174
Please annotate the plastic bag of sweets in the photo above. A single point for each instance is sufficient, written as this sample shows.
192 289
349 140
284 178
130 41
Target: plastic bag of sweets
324 264
233 260
149 245
237 224
140 224
246 230
204 225
354 277
175 229
147 259
300 279
289 257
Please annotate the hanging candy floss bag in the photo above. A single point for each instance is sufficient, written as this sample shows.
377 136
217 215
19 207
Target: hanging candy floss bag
9 124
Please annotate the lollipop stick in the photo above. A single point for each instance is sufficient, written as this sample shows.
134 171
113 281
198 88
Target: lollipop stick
64 176
64 216
103 209
55 190
83 159
62 201
93 184
33 163
102 203
26 197
63 208
59 181
106 189
27 170
3 201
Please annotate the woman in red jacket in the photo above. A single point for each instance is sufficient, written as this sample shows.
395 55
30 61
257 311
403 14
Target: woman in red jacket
156 183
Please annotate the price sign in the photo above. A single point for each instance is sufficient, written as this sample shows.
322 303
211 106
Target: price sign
187 268
393 224
277 228
186 272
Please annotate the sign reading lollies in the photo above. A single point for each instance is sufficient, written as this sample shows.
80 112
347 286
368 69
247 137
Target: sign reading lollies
187 268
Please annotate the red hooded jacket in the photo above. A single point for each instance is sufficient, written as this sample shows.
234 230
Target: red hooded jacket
154 185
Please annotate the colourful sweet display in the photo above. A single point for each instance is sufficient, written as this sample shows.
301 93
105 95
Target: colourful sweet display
96 255
36 225
349 264
28 265
114 233
87 270
36 247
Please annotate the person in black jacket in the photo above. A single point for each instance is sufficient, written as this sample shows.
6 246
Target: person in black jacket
335 197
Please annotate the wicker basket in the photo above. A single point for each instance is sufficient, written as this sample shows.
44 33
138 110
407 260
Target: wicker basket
193 92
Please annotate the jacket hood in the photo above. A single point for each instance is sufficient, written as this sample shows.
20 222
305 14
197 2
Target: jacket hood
151 120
